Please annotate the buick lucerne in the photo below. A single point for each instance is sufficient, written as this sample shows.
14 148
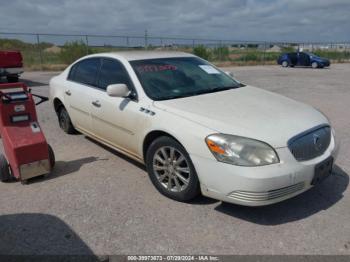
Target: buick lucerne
196 128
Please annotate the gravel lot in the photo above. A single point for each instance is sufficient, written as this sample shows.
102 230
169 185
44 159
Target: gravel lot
99 202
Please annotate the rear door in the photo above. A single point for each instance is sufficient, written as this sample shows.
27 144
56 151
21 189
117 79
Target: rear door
304 59
82 79
115 120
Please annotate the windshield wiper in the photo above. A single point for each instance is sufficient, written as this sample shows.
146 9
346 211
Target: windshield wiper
222 88
179 96
201 92
217 89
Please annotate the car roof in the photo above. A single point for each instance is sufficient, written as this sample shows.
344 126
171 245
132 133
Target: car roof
141 55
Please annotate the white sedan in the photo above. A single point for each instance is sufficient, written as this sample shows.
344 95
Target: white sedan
196 128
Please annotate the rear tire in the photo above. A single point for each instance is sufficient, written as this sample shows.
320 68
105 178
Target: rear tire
5 174
314 65
12 79
167 160
285 64
65 121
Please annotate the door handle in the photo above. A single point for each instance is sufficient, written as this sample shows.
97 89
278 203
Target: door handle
68 93
96 103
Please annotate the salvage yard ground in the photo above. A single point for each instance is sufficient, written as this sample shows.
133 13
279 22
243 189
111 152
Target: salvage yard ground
100 202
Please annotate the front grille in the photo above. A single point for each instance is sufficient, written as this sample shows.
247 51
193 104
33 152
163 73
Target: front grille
264 196
310 144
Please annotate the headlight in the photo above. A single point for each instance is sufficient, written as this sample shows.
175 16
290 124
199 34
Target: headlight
241 151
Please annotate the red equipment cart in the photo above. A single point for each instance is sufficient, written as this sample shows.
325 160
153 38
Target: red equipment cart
27 152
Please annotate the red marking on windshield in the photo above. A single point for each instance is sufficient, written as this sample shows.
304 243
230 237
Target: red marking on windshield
155 68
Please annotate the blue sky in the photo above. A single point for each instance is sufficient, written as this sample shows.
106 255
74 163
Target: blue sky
270 20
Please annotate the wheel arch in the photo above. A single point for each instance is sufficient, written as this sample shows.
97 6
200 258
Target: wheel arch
153 135
286 59
57 104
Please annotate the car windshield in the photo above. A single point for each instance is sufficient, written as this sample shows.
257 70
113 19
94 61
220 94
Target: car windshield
310 54
171 78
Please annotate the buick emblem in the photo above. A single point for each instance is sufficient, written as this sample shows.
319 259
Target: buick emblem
317 142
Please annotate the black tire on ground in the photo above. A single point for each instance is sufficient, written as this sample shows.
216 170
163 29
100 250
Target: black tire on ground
12 79
191 189
65 122
51 157
5 174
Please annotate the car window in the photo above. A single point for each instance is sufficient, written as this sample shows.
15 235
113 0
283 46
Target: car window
112 72
85 71
72 72
170 78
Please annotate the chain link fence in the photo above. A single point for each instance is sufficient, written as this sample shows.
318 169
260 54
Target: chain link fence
56 51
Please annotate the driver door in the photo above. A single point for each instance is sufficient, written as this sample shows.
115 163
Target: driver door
115 120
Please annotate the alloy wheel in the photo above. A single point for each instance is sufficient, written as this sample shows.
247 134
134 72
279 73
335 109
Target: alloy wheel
171 169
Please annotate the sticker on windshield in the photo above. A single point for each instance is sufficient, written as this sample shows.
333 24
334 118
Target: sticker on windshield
209 69
155 68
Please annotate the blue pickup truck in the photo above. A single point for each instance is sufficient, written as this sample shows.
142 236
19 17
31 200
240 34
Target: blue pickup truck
302 59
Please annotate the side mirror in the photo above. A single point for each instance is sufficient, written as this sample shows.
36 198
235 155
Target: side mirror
118 90
229 74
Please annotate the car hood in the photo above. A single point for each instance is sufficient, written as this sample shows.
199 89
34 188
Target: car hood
249 112
319 59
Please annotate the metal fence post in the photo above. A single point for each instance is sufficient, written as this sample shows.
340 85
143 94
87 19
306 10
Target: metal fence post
40 53
220 50
146 39
264 54
87 44
127 42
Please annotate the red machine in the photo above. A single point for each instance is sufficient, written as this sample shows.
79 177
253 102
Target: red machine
27 152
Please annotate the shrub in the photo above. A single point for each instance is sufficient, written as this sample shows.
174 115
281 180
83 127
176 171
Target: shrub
288 49
202 52
251 56
72 51
221 53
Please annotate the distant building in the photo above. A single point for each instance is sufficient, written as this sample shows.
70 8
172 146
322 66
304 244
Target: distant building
274 48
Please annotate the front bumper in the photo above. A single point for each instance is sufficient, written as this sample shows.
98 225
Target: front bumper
258 186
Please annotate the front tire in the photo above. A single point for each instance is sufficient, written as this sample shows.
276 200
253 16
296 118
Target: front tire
65 121
314 65
5 174
171 170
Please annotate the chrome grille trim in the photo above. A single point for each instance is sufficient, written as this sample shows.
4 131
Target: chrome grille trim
311 143
268 195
